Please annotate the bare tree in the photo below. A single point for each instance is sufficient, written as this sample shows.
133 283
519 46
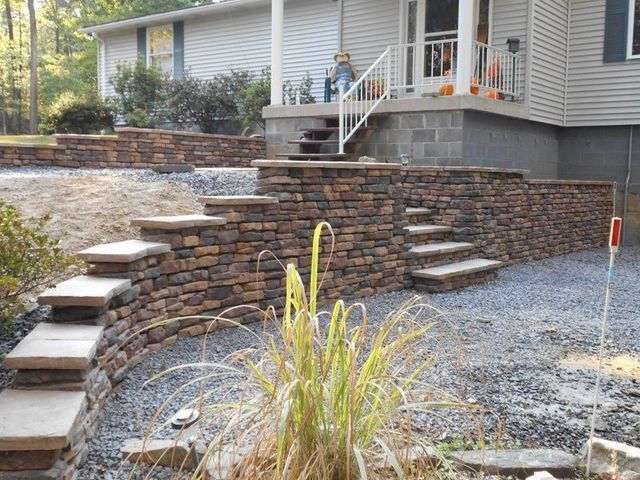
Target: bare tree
33 69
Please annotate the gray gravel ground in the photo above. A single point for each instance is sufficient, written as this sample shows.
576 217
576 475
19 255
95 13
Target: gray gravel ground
505 345
215 181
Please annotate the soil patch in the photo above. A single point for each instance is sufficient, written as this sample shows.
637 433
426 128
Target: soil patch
89 210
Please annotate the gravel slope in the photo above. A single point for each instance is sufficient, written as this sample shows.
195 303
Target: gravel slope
522 347
206 181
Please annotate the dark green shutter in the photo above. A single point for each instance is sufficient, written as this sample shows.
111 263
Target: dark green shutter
142 44
178 49
615 30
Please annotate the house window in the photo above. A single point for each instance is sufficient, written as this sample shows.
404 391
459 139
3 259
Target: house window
634 28
160 48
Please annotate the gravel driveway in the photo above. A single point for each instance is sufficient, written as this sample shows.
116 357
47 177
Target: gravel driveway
524 347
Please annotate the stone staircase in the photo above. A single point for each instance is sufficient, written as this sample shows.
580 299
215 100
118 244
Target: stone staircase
448 265
321 143
47 418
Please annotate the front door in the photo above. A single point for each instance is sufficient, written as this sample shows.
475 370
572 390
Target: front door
431 28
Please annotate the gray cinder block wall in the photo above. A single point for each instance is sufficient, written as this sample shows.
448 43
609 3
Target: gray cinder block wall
602 153
466 138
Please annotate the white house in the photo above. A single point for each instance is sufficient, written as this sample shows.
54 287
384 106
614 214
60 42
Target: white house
561 101
213 38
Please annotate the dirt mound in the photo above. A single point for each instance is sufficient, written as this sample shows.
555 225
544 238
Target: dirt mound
89 210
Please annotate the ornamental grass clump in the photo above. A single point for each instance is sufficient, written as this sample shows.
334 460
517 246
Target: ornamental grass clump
328 397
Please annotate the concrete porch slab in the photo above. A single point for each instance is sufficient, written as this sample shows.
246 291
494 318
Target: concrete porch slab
420 104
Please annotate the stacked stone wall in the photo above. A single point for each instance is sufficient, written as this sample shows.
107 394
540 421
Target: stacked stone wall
137 148
509 218
190 270
214 268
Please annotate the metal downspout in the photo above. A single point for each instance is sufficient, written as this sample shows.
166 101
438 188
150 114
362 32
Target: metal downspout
626 186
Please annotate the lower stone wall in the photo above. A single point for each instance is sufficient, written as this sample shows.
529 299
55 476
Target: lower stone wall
137 148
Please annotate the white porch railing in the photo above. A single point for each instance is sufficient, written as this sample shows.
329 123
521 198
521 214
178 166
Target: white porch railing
424 63
496 70
416 68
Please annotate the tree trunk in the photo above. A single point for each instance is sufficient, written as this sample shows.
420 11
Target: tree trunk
11 123
33 70
7 9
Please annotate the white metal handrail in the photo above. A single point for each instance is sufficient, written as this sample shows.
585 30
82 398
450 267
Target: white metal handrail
359 101
496 70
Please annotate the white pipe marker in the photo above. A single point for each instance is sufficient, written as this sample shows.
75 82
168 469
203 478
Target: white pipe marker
614 245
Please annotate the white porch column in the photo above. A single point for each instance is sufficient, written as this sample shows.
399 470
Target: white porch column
277 41
466 14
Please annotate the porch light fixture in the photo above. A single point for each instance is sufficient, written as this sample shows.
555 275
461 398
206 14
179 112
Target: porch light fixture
514 44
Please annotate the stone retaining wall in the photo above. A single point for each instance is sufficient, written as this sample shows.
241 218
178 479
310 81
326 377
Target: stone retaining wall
206 265
212 268
508 218
137 148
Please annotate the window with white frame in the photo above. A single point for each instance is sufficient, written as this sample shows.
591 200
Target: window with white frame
634 28
160 48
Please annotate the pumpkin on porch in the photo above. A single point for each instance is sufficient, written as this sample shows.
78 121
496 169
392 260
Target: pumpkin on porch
494 95
447 89
475 89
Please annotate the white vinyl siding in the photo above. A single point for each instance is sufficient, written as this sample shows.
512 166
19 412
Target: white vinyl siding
549 60
510 20
368 28
242 40
120 47
599 93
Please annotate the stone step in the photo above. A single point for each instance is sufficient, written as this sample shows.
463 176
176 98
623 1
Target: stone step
331 129
56 347
238 200
84 291
441 248
451 270
177 222
123 252
417 212
32 420
314 156
427 229
313 142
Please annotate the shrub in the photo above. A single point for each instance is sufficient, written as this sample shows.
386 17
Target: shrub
206 103
70 113
304 90
140 94
258 95
324 398
29 260
254 98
